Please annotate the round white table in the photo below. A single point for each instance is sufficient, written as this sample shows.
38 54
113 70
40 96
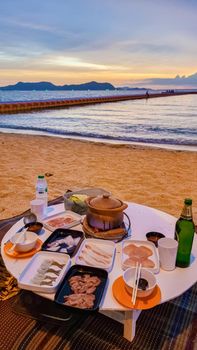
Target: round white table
143 219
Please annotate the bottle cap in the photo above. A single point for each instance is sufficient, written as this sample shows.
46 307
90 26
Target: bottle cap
188 201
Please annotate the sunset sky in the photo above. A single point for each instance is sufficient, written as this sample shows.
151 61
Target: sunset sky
119 41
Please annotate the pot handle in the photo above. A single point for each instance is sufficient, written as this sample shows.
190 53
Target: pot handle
128 221
124 206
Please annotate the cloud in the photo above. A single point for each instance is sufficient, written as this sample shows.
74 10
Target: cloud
120 40
179 82
76 62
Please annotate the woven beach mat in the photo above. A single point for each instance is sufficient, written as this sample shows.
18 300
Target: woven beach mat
172 325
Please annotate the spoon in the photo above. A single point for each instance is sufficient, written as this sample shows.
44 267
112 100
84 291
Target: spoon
20 239
29 218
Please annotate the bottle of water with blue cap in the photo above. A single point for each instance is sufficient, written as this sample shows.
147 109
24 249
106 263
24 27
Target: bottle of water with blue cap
42 189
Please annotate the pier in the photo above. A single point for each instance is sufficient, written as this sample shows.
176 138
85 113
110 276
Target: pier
13 107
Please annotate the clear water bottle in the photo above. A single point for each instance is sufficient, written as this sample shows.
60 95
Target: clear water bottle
42 189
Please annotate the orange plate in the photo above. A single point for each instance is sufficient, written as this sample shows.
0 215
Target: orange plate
14 254
123 297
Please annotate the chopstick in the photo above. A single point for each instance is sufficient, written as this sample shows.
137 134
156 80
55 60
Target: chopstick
136 282
135 277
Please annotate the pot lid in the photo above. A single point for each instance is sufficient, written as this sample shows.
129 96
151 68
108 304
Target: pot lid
105 202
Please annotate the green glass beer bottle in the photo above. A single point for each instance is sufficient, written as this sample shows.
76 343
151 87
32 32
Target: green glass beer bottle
184 234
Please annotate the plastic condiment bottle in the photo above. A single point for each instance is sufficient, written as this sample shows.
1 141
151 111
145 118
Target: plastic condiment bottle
42 189
184 234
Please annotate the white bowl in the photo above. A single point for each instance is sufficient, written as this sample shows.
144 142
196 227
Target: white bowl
129 276
25 244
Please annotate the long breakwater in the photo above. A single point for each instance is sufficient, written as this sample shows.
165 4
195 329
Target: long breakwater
13 107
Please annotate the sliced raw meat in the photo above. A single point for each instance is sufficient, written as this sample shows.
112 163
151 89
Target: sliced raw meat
83 301
130 249
147 251
148 263
145 262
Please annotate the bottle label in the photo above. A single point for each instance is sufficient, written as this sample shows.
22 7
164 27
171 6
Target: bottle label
186 213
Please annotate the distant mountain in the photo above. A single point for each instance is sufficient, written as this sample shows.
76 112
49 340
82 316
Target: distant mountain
44 85
178 81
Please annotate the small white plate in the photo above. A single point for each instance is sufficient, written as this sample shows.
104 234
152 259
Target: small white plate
97 253
154 257
26 279
64 220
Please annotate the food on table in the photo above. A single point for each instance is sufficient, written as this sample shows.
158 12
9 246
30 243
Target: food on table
84 284
131 261
95 254
76 203
143 284
47 272
145 262
139 254
34 227
60 222
83 287
82 301
130 249
101 251
148 263
145 250
46 283
63 245
154 237
91 261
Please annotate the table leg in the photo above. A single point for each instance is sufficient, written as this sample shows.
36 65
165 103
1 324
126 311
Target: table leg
127 318
130 319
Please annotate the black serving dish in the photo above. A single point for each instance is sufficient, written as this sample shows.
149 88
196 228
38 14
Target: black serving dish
60 234
79 270
34 227
44 310
154 237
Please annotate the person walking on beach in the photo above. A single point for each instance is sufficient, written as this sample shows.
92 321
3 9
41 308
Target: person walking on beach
147 94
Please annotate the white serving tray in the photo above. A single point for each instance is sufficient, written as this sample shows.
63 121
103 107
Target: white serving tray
72 218
97 244
25 279
153 257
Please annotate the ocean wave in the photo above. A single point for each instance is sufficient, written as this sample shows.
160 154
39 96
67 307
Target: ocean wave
165 121
91 135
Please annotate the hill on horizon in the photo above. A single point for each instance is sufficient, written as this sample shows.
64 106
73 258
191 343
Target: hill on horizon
44 85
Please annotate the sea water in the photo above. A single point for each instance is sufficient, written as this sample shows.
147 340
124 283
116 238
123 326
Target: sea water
165 121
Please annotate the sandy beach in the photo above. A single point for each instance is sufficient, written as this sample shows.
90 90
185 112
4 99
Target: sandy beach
151 176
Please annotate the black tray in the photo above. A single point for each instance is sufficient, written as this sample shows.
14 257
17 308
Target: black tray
65 289
61 233
30 305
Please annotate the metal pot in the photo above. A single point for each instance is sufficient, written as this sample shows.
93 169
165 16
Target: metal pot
105 212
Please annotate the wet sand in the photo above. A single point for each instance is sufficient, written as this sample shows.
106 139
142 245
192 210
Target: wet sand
155 177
